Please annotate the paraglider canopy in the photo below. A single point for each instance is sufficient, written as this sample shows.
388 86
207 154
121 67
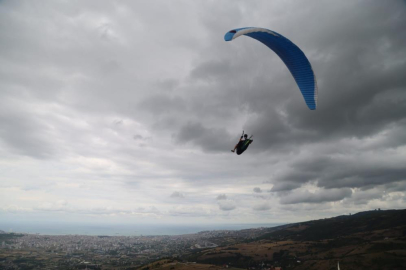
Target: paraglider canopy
296 61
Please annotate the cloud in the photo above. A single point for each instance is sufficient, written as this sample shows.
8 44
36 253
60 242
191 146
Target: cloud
65 208
177 194
226 205
14 209
139 137
262 206
118 122
283 186
85 87
257 190
344 170
360 197
304 196
221 197
188 211
210 139
162 104
24 132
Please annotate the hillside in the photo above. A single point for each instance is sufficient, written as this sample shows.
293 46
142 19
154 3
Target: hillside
367 240
340 226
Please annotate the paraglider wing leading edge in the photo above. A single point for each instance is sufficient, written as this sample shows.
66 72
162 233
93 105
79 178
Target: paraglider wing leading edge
295 60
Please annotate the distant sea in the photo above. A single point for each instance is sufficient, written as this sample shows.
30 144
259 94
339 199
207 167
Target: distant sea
124 230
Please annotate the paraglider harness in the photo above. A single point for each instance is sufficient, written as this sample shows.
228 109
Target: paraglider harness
243 145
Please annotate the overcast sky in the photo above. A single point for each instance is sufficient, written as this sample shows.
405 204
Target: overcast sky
126 111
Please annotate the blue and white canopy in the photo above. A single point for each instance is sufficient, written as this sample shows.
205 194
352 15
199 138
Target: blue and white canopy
296 61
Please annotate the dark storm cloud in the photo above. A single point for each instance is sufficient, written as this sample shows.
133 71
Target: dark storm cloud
364 176
358 62
361 81
285 185
349 171
210 139
330 195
